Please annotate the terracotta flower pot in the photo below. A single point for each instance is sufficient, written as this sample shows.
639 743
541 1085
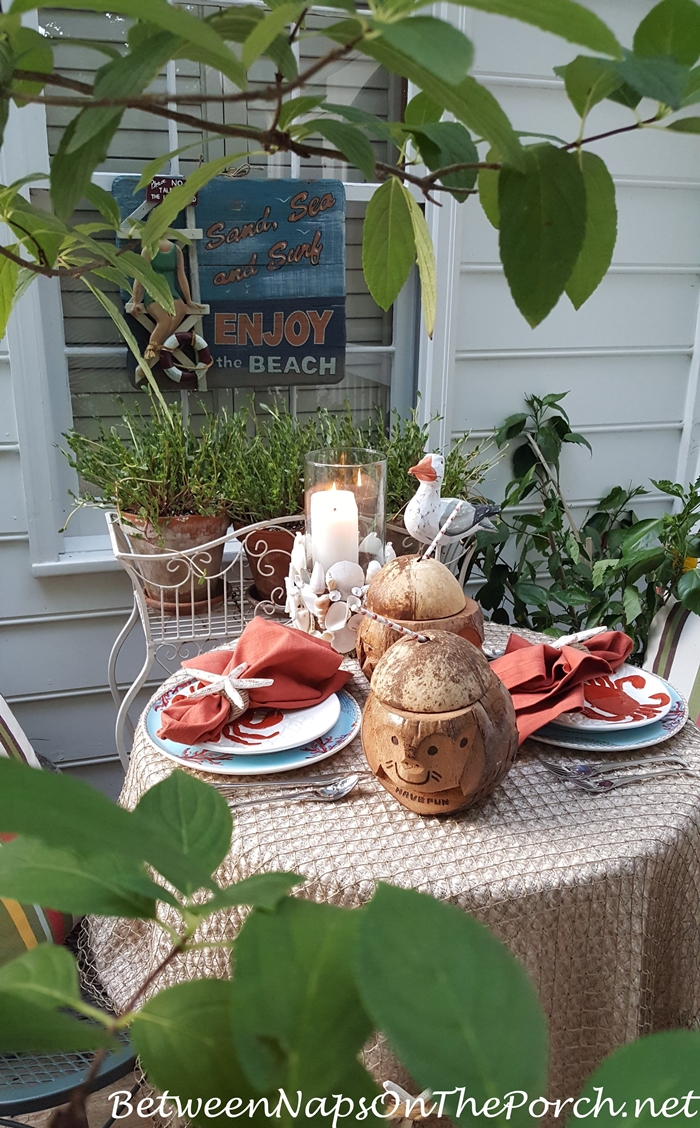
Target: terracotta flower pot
399 537
269 552
174 583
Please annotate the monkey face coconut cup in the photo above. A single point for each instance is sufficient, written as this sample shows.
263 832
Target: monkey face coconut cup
438 729
422 595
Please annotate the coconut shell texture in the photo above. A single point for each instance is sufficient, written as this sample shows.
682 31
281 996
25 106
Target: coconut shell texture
438 729
409 588
421 594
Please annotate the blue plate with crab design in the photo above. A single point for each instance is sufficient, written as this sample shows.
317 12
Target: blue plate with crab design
615 739
204 759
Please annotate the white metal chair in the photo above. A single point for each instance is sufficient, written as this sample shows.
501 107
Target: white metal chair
195 603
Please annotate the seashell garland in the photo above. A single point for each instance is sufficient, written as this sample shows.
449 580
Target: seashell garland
326 605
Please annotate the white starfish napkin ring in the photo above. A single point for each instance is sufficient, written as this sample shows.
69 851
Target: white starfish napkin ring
231 686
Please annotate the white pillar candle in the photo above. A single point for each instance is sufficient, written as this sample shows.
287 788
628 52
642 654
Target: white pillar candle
334 527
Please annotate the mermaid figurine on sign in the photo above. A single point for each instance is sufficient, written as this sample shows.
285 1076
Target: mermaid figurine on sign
170 264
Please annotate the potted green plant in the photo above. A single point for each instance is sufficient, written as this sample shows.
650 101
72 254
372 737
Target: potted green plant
264 481
169 487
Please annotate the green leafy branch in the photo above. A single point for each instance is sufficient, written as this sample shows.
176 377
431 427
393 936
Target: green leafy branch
310 984
553 201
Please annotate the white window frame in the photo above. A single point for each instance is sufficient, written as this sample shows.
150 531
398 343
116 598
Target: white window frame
39 362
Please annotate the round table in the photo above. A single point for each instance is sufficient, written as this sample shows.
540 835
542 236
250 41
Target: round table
597 895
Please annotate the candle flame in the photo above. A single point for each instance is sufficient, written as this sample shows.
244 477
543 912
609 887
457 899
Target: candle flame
359 477
333 486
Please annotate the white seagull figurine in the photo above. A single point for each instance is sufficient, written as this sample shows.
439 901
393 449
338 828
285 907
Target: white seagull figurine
427 512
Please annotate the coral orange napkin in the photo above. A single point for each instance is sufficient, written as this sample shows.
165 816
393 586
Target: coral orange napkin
545 681
305 671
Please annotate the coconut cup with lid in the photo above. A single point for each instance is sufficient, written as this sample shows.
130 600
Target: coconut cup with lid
422 594
438 729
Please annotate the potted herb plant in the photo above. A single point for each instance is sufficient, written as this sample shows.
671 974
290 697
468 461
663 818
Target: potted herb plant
264 480
168 485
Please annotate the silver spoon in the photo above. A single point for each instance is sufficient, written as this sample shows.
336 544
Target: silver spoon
300 781
331 793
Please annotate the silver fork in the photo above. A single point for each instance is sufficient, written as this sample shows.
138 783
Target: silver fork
604 784
587 771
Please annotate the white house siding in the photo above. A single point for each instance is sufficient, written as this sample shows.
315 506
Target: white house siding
628 359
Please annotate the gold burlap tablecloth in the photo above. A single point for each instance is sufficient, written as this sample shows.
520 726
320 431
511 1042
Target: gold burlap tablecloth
597 896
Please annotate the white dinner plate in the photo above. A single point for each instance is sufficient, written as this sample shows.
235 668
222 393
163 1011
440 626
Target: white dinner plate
628 699
266 730
204 759
614 739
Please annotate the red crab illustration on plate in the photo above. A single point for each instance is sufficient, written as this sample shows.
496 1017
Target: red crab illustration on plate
607 700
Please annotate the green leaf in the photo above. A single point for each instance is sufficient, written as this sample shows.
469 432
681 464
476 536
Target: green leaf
295 107
632 603
436 45
237 24
574 437
643 533
543 222
447 143
350 142
421 109
626 96
120 322
510 428
600 570
689 590
184 1039
470 102
588 81
105 204
28 1028
565 18
671 28
9 272
665 485
161 217
532 593
388 243
298 1019
46 976
177 21
487 182
370 122
41 233
154 167
193 817
691 94
427 267
128 75
46 875
599 241
136 266
643 1075
663 78
685 125
267 30
32 52
262 891
71 172
456 1007
65 813
643 563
